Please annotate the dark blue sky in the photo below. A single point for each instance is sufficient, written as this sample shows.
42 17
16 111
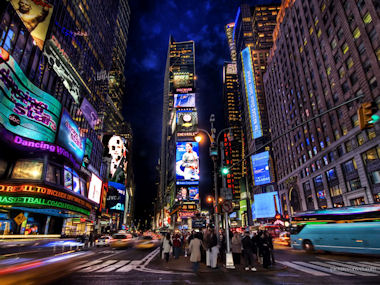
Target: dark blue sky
151 24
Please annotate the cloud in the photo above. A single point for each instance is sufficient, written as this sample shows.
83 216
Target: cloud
150 61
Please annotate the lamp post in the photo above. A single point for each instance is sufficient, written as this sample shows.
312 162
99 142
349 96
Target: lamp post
213 152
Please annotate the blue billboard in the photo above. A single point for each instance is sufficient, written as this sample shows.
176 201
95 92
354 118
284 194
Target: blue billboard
69 137
250 91
187 162
260 168
122 192
266 205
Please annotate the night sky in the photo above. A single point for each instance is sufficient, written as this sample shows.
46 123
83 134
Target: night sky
151 24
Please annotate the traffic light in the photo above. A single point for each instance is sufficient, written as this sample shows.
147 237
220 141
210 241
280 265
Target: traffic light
225 170
366 115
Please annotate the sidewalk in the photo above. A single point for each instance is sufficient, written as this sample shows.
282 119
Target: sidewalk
183 264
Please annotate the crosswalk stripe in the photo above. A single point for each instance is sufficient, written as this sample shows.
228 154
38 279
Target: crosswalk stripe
98 266
352 268
366 268
114 266
320 267
370 264
87 264
125 268
332 269
304 269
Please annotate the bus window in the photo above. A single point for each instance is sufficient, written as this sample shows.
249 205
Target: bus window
295 229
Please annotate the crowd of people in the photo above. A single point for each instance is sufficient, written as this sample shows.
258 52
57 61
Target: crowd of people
248 249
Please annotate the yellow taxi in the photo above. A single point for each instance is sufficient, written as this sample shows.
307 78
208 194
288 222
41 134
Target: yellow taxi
146 242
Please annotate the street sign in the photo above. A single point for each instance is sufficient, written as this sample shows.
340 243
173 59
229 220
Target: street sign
227 206
226 193
19 219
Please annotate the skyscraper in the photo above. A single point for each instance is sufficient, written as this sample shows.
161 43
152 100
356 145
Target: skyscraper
324 55
179 160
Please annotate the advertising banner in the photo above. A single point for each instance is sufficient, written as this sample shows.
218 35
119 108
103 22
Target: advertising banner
95 189
26 110
36 15
116 148
187 162
89 113
186 100
250 91
69 137
120 190
266 205
260 167
187 193
182 79
187 121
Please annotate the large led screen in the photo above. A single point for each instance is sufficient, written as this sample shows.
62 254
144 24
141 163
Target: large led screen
266 205
186 100
182 79
187 161
25 109
36 17
187 121
260 167
250 90
120 188
115 147
95 189
69 137
89 113
187 193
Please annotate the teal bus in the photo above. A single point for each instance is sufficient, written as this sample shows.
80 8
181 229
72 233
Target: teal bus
353 229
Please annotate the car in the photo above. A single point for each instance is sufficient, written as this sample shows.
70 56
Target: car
121 240
146 242
284 238
103 241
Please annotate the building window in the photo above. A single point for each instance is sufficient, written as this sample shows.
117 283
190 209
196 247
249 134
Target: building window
345 87
371 154
372 83
360 139
354 184
345 48
356 33
361 48
333 44
350 166
374 177
331 175
349 63
367 18
371 134
342 72
335 191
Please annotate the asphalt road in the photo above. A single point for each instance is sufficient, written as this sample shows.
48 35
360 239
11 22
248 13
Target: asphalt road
131 266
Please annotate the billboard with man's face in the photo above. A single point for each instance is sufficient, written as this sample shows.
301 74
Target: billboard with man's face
115 147
36 15
187 162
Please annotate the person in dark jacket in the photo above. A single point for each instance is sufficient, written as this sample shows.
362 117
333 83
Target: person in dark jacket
266 249
247 251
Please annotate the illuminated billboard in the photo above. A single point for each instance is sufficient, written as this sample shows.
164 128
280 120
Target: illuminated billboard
182 79
25 109
95 189
250 92
187 121
89 113
69 137
186 100
116 148
120 190
260 168
266 205
187 162
187 193
36 17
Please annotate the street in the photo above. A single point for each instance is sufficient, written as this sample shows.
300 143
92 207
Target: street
131 266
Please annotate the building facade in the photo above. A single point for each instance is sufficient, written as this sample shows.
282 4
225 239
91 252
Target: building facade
325 58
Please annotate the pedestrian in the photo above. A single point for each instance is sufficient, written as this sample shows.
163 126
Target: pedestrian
236 248
91 239
266 249
195 251
259 244
176 246
247 251
214 250
206 242
270 242
166 247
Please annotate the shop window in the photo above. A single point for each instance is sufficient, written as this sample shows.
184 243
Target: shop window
357 202
27 169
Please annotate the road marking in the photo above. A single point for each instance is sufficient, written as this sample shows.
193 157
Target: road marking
331 269
126 268
304 269
99 266
352 269
114 266
370 263
366 268
87 264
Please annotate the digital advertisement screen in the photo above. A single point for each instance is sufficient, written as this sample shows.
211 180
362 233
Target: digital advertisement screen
120 188
187 161
76 184
115 147
182 79
250 90
187 121
26 110
36 17
95 189
266 205
68 178
69 137
260 167
193 193
89 113
186 100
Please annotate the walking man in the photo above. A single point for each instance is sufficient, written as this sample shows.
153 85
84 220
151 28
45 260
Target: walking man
247 251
